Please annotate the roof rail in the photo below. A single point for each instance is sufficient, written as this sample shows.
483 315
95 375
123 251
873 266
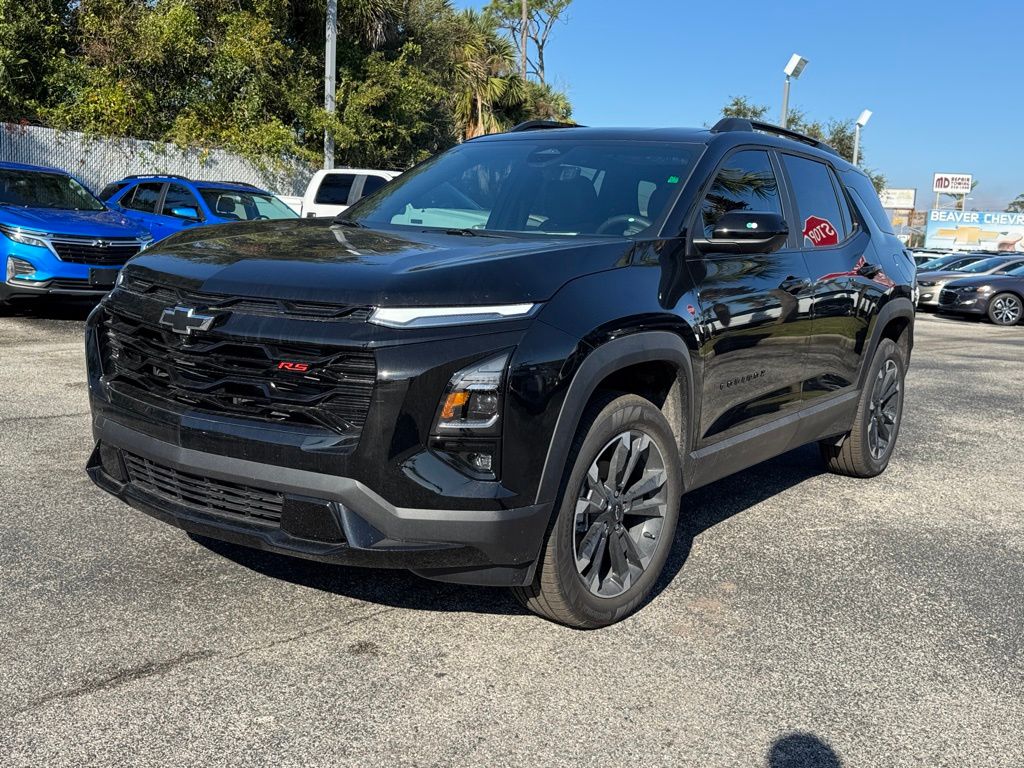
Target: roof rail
157 176
236 183
539 125
728 124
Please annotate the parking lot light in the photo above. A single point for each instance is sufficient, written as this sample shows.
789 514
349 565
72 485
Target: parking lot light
793 69
861 122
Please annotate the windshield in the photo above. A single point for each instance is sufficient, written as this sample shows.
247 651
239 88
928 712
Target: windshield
553 187
38 189
236 205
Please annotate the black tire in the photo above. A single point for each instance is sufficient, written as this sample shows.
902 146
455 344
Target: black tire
559 591
1005 309
857 454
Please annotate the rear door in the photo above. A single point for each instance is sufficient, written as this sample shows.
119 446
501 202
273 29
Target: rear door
754 310
841 258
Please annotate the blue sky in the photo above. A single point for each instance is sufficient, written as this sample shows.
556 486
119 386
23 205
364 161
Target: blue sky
942 78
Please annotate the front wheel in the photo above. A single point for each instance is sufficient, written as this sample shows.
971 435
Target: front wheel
615 517
865 451
1005 309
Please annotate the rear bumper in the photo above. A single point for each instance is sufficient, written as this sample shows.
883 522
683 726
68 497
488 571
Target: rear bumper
323 517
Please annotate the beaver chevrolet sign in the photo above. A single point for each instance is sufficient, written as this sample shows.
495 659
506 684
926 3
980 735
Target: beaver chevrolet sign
975 230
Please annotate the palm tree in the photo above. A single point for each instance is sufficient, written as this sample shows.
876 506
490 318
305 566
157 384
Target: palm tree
485 77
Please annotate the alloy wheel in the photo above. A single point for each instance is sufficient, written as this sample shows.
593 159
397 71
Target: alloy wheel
620 512
884 411
1006 309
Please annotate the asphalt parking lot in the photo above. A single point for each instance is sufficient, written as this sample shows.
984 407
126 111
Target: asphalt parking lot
806 619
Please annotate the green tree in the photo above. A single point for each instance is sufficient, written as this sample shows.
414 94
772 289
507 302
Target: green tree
959 201
486 80
541 18
33 42
1016 205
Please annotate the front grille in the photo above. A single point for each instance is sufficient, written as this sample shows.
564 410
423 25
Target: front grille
304 310
947 296
203 493
239 378
90 251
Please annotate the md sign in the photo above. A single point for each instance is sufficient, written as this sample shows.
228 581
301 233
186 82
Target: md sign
952 183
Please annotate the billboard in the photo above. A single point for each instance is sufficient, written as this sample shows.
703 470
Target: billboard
975 230
898 198
952 183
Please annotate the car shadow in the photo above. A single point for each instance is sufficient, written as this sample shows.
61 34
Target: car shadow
701 510
802 750
50 308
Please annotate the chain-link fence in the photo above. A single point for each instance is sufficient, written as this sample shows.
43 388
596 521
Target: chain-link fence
99 161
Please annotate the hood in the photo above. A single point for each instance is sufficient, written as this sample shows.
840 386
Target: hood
107 223
313 260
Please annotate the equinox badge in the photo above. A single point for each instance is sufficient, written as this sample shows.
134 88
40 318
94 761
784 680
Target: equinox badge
184 320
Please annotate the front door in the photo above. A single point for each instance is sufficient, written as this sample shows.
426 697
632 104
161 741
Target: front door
754 312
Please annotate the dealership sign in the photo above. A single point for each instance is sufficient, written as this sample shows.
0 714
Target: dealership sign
952 183
975 230
898 198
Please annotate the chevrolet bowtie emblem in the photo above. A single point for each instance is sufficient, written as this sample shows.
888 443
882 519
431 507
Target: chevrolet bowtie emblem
185 320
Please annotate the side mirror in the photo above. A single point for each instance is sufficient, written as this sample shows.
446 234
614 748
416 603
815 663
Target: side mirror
739 232
185 212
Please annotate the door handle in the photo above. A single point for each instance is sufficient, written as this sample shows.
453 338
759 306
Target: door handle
794 284
869 270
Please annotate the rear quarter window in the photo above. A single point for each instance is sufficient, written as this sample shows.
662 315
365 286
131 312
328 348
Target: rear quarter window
867 195
334 189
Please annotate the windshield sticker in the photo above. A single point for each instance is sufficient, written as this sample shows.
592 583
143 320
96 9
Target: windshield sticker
819 232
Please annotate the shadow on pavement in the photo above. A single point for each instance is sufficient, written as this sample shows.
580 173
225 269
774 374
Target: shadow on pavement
50 308
700 511
802 750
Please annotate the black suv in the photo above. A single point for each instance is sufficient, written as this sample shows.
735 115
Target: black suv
508 365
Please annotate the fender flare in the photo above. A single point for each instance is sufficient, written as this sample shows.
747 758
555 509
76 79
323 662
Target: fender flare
900 306
641 347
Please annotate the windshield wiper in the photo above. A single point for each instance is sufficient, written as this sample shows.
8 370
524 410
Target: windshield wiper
465 232
348 223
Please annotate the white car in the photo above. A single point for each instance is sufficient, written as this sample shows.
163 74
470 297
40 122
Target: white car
332 191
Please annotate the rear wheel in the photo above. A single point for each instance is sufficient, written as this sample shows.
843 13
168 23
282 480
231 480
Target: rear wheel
865 451
615 517
1005 309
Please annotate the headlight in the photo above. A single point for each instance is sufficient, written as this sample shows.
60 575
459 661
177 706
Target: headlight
976 289
25 238
472 399
435 317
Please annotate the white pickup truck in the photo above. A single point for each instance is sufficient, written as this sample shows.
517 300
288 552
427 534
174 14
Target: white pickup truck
332 191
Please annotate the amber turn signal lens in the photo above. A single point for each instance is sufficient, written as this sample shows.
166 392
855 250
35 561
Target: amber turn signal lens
453 401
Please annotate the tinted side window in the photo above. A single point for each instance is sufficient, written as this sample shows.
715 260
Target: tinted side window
745 182
334 189
372 184
819 216
869 197
178 196
144 198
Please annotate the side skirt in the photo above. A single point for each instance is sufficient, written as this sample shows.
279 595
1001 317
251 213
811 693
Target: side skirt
819 421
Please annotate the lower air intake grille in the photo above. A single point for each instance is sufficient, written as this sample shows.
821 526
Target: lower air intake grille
203 493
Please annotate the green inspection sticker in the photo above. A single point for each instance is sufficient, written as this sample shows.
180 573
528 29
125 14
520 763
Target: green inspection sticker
673 179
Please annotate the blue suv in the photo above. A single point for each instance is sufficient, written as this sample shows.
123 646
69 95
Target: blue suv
56 237
169 204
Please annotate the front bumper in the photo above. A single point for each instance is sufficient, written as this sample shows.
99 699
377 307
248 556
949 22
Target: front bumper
322 517
963 303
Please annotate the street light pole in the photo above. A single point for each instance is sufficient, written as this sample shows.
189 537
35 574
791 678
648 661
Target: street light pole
785 103
861 122
330 66
524 39
793 69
